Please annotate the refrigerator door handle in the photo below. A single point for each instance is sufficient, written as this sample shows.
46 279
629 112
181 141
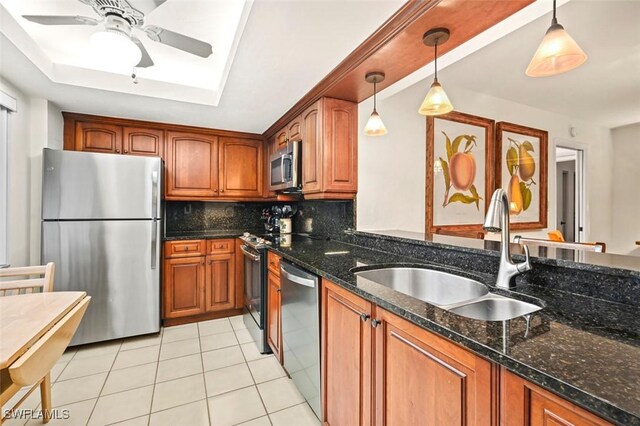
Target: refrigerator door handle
154 194
154 242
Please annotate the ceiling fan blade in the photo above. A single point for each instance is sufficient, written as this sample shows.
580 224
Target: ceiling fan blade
179 41
147 6
145 60
61 20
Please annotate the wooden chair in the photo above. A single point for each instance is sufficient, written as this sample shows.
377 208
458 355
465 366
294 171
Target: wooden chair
28 284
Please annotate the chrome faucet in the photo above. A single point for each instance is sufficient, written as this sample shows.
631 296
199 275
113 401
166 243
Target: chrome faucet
498 220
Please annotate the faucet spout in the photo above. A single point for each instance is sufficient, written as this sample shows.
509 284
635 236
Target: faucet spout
497 219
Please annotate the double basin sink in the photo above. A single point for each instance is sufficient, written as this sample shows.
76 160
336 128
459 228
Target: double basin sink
454 293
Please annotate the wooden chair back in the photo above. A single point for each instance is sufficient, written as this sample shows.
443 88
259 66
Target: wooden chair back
27 283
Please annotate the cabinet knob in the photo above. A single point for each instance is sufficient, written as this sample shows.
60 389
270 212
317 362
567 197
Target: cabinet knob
117 151
215 190
126 151
279 290
221 191
364 317
375 322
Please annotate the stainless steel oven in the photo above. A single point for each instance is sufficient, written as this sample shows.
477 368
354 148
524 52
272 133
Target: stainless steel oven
285 168
255 289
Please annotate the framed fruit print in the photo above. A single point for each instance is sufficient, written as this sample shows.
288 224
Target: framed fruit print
522 172
460 172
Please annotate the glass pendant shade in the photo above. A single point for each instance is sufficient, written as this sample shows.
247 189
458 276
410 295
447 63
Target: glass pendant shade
436 102
115 51
375 126
557 53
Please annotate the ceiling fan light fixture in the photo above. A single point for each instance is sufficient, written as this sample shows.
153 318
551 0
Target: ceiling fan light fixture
436 102
115 49
374 126
558 52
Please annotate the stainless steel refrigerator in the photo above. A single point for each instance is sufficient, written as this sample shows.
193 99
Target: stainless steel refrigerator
101 224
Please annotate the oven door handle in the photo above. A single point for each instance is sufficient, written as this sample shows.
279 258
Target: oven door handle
249 254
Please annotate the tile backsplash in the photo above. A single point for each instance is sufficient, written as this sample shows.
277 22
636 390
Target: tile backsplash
328 218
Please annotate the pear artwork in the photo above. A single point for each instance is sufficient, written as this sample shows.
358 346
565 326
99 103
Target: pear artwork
459 171
522 167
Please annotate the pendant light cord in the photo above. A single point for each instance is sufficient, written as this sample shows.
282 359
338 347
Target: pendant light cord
436 60
374 94
554 21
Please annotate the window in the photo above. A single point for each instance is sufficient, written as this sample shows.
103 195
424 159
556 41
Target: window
7 105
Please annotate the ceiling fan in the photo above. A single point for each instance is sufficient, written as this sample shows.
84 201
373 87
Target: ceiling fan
120 18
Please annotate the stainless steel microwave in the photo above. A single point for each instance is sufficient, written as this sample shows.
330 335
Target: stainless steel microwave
284 169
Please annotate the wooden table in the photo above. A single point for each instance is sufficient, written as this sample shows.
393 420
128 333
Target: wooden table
25 318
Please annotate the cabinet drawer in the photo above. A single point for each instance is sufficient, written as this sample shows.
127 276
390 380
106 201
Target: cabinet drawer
273 263
219 246
184 248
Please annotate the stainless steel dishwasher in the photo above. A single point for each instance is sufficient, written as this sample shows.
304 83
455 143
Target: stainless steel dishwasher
301 330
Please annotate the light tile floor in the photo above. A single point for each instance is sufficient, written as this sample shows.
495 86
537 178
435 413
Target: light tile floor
209 373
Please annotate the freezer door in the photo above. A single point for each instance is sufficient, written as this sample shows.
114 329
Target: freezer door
84 185
117 264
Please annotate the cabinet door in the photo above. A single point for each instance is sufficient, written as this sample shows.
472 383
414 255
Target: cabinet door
192 165
312 149
424 379
346 357
274 315
523 403
294 129
220 288
141 141
281 139
98 137
340 146
183 287
240 168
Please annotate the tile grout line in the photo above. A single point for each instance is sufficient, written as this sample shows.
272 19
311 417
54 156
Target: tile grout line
204 379
103 384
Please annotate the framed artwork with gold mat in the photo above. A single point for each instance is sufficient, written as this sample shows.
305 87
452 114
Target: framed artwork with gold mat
460 172
522 172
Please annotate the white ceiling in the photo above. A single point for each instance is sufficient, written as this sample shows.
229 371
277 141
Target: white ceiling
605 90
283 49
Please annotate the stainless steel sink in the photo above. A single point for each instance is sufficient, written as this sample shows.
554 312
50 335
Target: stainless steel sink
495 308
435 287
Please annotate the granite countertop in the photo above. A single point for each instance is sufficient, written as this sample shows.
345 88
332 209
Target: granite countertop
584 349
208 234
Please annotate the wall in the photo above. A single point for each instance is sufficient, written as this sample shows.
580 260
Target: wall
36 125
626 203
391 192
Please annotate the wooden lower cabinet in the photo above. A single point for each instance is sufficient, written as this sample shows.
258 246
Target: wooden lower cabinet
220 283
380 369
183 287
523 403
199 286
274 315
346 349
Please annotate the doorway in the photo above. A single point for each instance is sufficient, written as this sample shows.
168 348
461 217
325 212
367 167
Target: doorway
569 192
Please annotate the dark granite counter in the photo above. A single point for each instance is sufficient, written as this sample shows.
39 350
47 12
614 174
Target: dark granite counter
583 348
207 235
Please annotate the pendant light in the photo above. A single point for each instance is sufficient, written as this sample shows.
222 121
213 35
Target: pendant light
436 102
557 53
375 126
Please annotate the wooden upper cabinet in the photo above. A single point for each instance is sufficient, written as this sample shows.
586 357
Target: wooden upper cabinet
330 149
312 149
422 378
340 146
281 139
183 284
142 141
220 283
191 165
294 129
240 167
346 357
98 137
523 403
